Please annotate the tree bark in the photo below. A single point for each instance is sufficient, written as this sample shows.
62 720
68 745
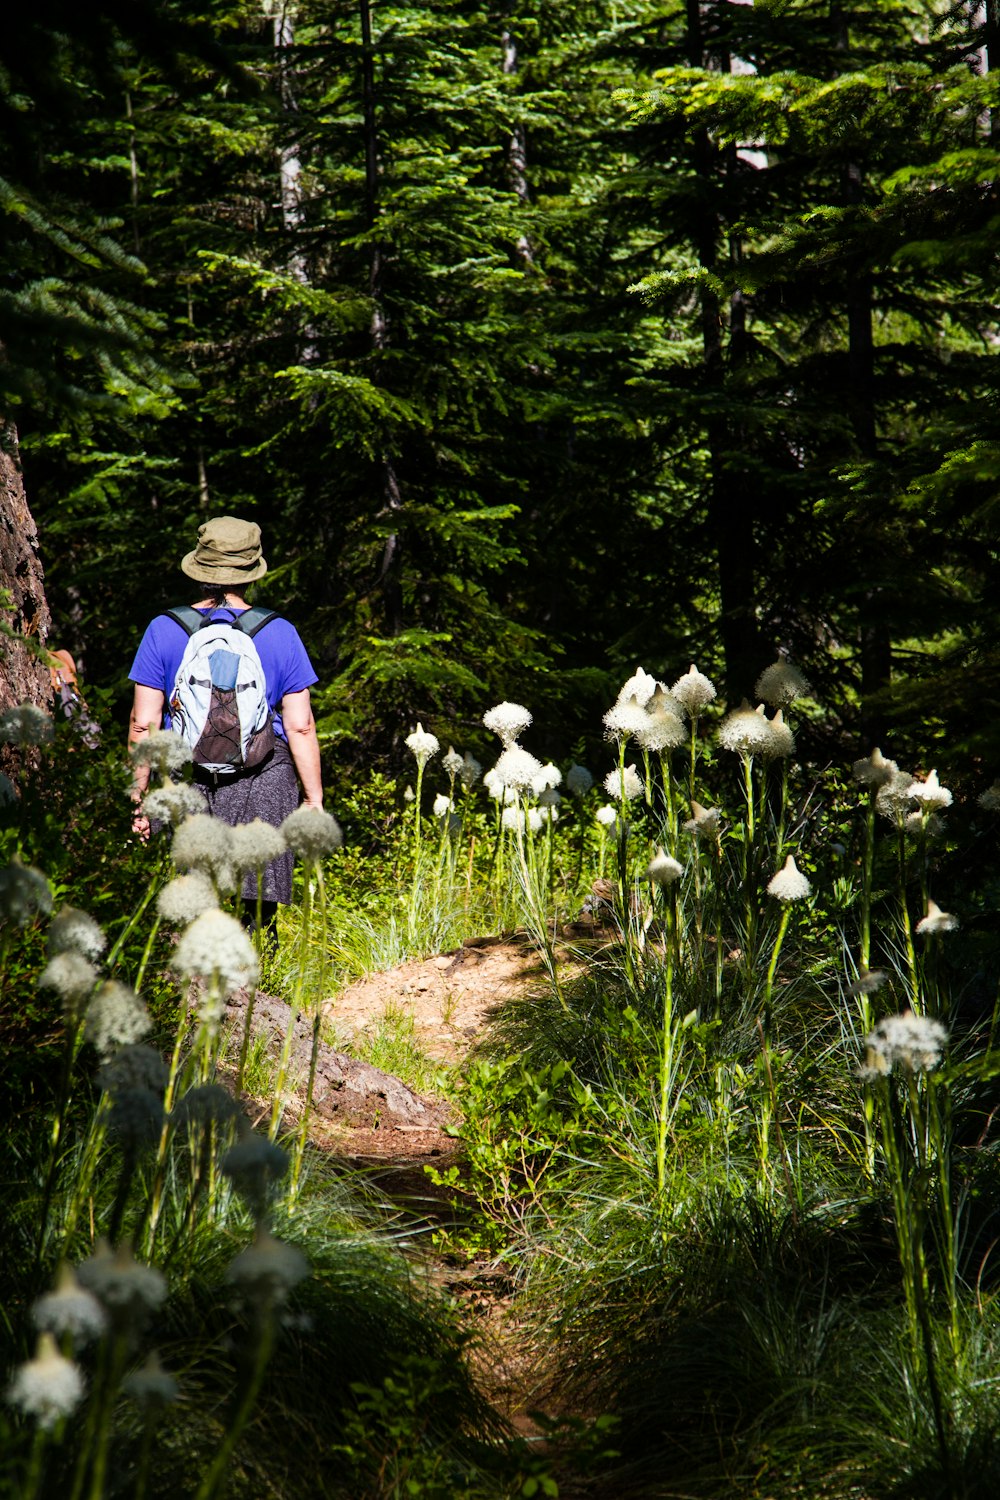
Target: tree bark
391 569
24 612
731 507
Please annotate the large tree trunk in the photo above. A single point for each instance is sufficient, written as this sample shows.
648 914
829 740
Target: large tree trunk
25 612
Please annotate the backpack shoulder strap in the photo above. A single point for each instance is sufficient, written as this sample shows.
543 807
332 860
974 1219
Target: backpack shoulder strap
187 617
254 620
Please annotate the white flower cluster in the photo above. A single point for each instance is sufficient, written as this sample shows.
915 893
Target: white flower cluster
70 1311
936 920
24 893
874 771
704 822
173 802
73 978
578 781
163 751
205 843
693 691
789 884
256 844
780 684
625 784
47 1388
268 1268
25 725
215 947
914 1043
151 1385
663 869
745 731
312 833
73 931
186 897
115 1017
422 744
126 1289
507 720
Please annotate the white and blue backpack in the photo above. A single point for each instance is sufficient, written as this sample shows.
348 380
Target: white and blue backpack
219 699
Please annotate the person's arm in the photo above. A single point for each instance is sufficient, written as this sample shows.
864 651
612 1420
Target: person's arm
300 727
147 714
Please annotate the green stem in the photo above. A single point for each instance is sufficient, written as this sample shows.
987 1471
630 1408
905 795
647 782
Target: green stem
300 1144
666 1050
294 1007
220 1464
144 962
786 913
867 870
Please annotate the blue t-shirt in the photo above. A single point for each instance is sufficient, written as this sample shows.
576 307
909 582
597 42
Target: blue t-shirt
287 668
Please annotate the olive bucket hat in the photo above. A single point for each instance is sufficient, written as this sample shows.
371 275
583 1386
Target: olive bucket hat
228 553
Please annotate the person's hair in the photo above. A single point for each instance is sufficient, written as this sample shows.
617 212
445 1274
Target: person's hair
216 592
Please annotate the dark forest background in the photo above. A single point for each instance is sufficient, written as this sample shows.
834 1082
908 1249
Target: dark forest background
542 340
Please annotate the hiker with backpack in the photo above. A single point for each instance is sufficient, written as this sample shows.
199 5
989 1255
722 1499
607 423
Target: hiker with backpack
234 680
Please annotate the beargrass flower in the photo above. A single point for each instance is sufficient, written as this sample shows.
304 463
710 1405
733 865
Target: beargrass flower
422 744
663 869
73 978
151 1385
789 884
535 820
268 1268
936 920
115 1017
704 821
312 833
442 805
186 897
205 843
47 1388
124 1287
470 771
625 784
69 1310
661 731
254 1166
868 982
409 795
914 1043
989 800
548 778
452 763
625 719
780 741
136 1118
693 691
640 686
507 720
578 780
216 947
547 812
24 893
74 931
256 844
920 825
163 751
744 731
874 770
206 1104
496 788
780 684
173 802
931 795
606 815
516 768
549 797
513 819
25 724
893 799
134 1067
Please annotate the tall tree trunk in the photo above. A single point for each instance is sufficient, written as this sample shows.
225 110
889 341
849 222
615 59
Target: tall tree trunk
517 149
731 502
391 569
24 610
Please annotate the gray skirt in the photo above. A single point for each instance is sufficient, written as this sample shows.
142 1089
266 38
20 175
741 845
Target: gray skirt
270 793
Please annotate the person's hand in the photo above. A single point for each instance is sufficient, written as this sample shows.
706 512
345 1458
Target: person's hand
311 802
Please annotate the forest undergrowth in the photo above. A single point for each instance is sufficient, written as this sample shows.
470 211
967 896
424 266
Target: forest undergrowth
734 1154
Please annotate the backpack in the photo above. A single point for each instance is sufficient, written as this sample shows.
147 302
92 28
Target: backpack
219 699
